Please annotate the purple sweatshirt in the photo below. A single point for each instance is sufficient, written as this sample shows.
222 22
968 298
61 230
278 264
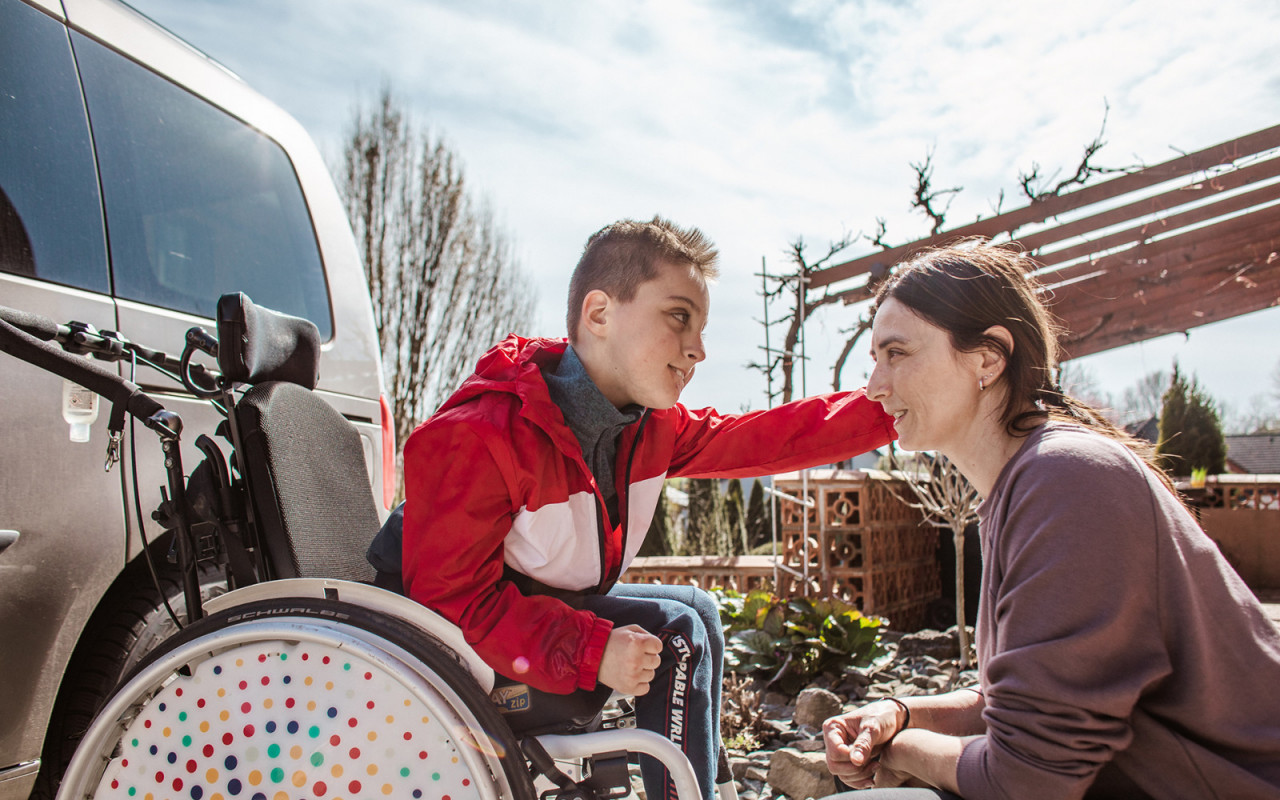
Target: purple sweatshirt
1112 633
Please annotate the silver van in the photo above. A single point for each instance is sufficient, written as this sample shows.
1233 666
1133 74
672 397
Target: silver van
139 181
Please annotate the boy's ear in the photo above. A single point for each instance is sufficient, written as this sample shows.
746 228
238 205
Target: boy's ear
597 310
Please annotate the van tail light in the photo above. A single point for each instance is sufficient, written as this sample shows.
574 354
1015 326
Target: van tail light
388 454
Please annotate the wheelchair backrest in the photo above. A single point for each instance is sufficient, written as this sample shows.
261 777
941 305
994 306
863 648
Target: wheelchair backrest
302 460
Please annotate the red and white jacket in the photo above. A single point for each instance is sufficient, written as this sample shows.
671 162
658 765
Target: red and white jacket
495 477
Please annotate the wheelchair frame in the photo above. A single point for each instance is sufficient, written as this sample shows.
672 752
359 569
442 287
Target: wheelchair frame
299 687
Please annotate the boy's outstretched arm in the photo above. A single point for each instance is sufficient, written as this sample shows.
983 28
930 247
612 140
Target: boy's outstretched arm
803 433
457 515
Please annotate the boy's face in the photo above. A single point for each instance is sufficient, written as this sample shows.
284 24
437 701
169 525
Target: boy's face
650 344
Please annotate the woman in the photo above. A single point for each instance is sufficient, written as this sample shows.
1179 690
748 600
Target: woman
1119 654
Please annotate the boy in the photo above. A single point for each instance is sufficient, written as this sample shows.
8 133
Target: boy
531 489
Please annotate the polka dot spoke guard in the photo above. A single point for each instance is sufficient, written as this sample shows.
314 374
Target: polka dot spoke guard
286 721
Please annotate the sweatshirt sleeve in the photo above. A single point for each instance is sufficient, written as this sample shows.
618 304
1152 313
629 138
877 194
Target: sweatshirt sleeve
457 515
1075 619
803 433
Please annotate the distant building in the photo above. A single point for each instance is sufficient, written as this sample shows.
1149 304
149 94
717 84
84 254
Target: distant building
1148 429
1254 453
1247 453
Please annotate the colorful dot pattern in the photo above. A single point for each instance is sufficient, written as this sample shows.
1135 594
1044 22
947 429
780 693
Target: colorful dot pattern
287 721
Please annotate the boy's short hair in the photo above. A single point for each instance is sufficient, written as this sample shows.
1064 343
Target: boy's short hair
620 257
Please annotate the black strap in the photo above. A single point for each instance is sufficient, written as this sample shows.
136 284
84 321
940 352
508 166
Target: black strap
531 588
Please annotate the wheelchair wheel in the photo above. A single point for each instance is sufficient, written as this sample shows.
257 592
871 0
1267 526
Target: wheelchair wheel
299 698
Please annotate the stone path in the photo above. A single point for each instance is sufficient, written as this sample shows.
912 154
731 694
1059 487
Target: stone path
917 668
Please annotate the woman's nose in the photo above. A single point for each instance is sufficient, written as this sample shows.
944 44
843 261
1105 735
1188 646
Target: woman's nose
877 385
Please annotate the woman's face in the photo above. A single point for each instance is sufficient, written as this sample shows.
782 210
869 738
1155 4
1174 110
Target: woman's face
929 388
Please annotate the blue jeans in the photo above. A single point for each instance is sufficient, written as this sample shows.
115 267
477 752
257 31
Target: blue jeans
683 702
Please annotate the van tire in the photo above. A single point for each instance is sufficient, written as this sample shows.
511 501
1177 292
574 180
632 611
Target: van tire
123 630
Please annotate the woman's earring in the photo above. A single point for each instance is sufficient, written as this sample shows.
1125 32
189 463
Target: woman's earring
981 384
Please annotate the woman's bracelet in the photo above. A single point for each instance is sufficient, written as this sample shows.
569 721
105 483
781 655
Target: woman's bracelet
906 721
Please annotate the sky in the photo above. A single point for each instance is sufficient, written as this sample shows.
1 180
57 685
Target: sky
764 122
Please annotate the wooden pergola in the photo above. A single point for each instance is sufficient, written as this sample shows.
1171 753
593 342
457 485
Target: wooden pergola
1162 250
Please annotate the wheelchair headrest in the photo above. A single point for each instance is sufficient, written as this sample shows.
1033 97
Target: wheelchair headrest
257 345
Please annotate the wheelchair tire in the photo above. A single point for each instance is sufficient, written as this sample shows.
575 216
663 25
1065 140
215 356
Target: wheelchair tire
299 698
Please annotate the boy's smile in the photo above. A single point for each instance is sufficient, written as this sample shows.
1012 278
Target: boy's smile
643 351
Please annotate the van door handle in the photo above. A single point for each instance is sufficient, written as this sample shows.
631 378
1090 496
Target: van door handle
7 538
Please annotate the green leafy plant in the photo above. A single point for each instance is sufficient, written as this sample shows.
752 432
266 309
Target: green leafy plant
789 642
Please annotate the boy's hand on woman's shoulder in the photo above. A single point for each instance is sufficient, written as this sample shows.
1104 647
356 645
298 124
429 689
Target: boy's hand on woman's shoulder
631 657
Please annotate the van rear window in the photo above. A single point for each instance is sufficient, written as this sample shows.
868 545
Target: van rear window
197 203
50 216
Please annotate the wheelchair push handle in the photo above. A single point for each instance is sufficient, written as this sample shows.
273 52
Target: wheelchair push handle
38 326
34 338
52 347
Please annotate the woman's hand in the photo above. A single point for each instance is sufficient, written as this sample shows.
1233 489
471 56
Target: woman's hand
854 741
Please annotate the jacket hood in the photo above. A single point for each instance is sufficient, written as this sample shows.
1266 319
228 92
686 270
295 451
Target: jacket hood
514 366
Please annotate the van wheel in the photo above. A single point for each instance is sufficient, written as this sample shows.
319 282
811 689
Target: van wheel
126 627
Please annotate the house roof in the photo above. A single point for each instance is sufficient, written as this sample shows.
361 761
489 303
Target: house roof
1257 453
1148 429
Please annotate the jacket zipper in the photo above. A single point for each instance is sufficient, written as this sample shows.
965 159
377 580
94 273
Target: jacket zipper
624 512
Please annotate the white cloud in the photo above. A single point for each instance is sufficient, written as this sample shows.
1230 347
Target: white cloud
762 122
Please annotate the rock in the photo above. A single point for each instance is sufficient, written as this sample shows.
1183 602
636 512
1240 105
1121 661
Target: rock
852 685
739 767
758 774
800 775
929 643
810 746
815 706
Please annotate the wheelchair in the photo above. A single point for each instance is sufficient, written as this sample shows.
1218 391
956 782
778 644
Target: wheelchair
304 680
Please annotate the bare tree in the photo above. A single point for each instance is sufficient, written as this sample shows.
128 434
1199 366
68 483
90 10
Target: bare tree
926 196
1035 186
1258 415
947 500
794 286
854 334
1082 382
445 285
1143 399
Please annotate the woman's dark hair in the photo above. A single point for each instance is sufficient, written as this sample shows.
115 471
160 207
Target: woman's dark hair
970 286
